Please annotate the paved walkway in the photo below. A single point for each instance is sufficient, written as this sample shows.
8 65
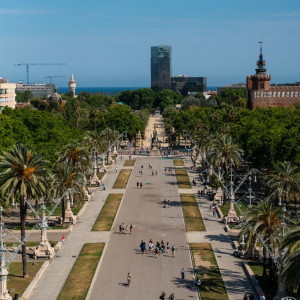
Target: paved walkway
231 269
53 280
143 207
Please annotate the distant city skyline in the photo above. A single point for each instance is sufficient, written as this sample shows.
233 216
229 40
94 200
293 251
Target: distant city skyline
107 43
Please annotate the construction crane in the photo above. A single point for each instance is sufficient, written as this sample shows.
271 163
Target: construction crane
36 64
54 76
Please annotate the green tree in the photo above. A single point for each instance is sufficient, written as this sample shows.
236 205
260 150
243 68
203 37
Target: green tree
285 178
24 174
291 260
68 182
265 222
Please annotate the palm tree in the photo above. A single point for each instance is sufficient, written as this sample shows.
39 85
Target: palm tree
94 116
291 260
77 155
285 178
223 152
66 178
263 222
24 174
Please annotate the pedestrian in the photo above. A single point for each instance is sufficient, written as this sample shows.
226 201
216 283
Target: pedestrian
262 297
120 228
141 184
182 273
152 173
168 247
162 296
63 239
245 297
103 187
137 184
165 203
173 250
156 173
128 279
131 229
150 246
156 251
171 297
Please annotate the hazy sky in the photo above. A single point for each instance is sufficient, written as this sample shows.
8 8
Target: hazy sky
107 42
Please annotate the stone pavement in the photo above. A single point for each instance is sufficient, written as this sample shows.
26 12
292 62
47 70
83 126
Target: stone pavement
53 280
143 207
231 269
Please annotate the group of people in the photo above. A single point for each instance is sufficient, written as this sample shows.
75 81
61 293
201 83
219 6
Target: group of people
163 295
160 248
123 228
170 170
139 184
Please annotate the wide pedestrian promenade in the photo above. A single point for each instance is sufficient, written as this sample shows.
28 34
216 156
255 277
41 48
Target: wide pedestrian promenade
143 207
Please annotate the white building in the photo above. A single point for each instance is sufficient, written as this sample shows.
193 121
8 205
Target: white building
7 94
38 90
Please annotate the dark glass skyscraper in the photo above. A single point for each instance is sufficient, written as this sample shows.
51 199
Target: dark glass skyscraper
161 67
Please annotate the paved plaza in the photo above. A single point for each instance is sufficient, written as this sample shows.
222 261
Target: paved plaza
143 208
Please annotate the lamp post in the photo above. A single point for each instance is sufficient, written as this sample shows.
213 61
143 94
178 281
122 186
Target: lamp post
250 192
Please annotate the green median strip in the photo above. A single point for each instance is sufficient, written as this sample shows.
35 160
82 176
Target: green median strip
15 278
192 215
178 162
122 179
129 162
82 273
183 179
206 268
108 212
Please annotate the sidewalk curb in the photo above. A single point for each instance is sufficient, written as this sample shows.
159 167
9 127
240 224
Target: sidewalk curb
35 281
250 275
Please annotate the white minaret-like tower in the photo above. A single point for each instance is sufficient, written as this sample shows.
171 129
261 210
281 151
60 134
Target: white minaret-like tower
72 86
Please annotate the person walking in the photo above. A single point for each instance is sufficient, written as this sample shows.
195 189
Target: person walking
245 297
141 184
169 203
137 184
162 296
173 250
171 297
182 273
63 239
116 169
131 229
128 279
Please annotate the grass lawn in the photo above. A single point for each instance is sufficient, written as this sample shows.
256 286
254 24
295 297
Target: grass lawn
108 212
192 215
129 162
79 280
212 285
16 281
29 227
178 162
183 179
122 179
224 208
29 244
57 211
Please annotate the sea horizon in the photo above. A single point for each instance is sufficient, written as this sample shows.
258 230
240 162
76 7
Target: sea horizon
110 90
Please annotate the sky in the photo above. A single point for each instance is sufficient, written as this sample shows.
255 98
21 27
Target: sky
106 43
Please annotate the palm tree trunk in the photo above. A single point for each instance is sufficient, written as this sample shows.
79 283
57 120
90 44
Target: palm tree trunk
63 212
23 219
265 259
